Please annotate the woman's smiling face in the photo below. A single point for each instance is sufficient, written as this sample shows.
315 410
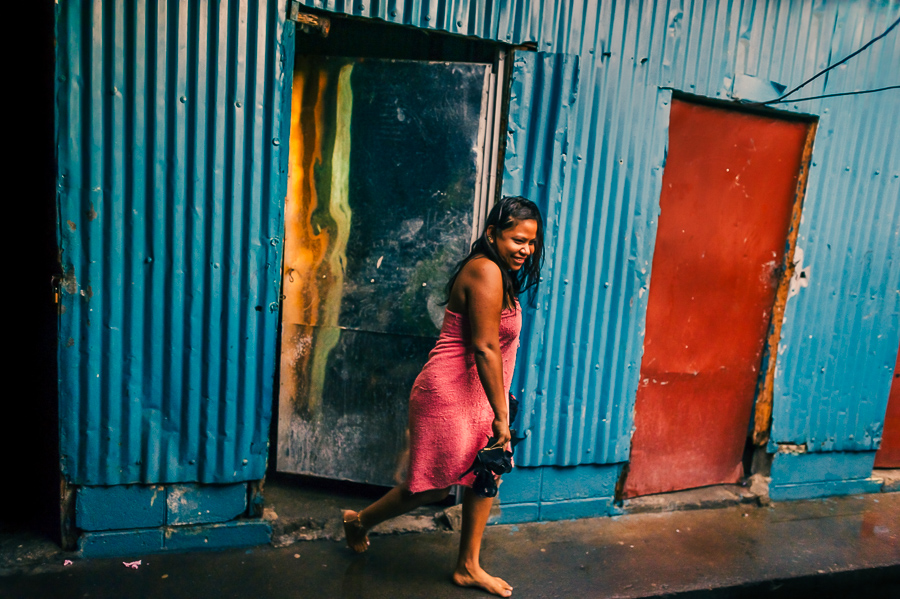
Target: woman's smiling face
516 244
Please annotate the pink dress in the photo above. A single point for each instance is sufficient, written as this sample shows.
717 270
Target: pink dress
449 414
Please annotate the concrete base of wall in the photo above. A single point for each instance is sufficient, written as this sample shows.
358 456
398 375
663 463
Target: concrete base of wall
703 498
811 475
557 493
890 479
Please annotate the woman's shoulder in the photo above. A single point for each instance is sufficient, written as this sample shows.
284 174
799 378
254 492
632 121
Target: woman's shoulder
478 278
482 268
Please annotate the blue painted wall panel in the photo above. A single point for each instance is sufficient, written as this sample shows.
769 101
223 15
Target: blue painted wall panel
203 504
122 543
580 359
120 507
554 493
217 536
790 468
170 120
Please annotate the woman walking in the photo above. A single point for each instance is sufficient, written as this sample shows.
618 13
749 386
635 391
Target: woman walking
460 397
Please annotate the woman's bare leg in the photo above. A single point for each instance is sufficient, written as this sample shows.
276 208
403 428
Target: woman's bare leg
397 501
468 571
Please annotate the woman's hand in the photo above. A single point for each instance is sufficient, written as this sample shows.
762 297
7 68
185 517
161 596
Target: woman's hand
501 432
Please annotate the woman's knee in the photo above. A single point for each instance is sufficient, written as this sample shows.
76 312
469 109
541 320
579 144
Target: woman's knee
441 494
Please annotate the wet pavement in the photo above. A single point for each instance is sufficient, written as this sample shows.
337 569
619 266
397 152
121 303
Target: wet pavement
837 547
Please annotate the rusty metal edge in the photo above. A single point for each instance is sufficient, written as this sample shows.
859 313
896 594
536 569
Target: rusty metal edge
762 417
67 530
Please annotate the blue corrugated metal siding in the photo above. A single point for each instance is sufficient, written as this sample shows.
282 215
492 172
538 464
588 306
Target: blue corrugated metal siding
839 343
507 21
171 186
581 352
543 94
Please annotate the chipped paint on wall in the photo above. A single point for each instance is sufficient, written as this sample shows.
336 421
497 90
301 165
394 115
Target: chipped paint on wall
800 278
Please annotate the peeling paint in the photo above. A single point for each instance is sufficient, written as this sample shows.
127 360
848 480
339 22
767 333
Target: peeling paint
68 281
768 271
792 448
174 498
156 491
800 277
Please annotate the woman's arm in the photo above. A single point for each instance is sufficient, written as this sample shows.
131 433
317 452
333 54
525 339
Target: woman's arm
483 291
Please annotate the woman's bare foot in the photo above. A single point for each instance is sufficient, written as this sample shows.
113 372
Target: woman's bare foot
355 532
477 577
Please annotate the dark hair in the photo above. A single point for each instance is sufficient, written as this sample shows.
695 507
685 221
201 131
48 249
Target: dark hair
505 215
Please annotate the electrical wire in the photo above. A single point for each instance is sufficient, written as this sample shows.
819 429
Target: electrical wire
780 99
864 91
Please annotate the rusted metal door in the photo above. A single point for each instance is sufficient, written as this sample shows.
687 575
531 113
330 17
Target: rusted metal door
888 455
728 191
381 199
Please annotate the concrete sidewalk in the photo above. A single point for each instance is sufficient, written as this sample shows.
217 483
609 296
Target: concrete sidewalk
835 547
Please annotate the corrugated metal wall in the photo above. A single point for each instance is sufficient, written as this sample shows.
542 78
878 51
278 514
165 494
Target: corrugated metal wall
170 217
172 169
541 115
840 338
581 357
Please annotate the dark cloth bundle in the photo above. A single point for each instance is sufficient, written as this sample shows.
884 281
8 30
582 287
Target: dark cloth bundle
491 461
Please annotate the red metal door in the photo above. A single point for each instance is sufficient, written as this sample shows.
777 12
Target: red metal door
728 191
888 455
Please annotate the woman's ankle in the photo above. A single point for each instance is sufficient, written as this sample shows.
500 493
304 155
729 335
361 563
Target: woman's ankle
468 565
354 519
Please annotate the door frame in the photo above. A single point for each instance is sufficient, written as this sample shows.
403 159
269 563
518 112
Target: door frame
491 134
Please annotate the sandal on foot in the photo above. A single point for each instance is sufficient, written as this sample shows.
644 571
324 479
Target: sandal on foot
352 527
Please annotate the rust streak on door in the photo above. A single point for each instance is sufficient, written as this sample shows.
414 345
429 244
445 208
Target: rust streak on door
729 190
